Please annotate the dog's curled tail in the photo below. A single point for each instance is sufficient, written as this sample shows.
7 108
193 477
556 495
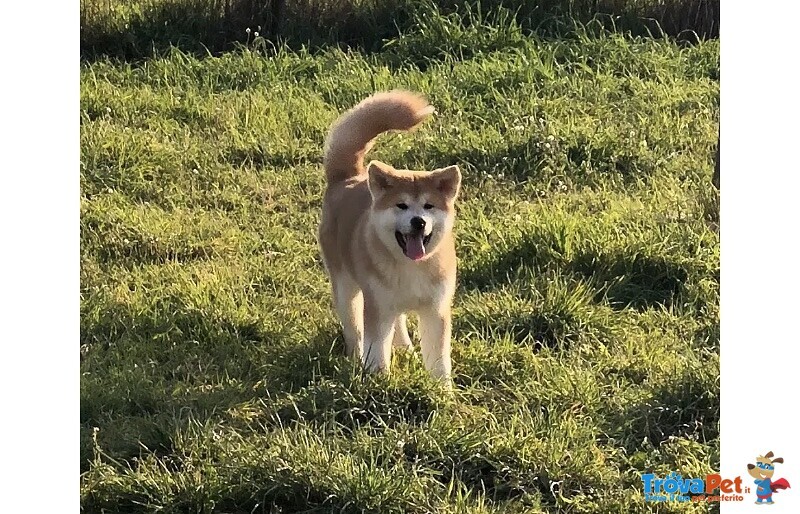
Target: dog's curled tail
352 135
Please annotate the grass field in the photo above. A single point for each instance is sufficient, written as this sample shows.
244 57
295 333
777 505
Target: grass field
137 28
586 341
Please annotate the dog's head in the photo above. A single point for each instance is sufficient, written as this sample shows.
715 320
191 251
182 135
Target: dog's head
413 210
764 466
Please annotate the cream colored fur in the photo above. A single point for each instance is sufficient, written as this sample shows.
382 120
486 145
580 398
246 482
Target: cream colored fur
387 238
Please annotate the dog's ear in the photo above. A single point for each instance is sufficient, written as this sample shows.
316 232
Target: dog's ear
769 455
380 178
448 181
777 459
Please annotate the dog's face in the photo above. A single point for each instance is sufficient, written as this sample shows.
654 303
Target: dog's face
413 210
764 466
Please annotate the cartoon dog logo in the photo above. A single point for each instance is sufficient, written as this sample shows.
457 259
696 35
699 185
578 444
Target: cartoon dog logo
762 471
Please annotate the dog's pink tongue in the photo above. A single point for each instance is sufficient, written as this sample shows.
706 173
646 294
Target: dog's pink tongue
415 248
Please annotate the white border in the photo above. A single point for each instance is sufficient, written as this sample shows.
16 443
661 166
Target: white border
759 223
39 208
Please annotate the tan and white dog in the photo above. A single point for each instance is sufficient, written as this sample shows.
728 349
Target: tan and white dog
387 238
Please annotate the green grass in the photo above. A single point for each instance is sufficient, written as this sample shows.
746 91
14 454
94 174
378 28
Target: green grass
586 318
140 28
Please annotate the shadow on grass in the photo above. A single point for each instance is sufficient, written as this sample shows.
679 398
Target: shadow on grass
146 375
531 253
685 407
554 329
354 402
150 27
633 281
203 26
324 387
622 280
497 475
517 162
548 163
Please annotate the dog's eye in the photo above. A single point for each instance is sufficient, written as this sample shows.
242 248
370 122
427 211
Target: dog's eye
428 206
402 206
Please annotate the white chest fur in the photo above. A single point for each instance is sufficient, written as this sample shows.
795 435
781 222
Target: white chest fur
410 288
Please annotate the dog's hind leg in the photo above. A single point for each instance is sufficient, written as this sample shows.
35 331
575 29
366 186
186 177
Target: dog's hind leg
349 302
401 338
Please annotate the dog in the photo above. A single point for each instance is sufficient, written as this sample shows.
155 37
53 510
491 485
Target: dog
763 471
386 237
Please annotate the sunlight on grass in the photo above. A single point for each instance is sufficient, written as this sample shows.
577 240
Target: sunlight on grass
586 319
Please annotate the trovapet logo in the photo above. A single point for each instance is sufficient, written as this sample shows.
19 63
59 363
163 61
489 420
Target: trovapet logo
674 487
715 488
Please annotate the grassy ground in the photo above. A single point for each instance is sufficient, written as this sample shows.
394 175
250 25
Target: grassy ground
586 319
137 28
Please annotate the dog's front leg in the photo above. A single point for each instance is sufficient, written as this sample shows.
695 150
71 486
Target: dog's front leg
435 328
378 334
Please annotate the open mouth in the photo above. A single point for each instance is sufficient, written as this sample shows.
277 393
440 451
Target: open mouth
413 245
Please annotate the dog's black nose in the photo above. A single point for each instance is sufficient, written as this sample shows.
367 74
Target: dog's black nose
417 223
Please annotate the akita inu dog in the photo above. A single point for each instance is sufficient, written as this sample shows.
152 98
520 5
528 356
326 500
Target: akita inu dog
387 238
